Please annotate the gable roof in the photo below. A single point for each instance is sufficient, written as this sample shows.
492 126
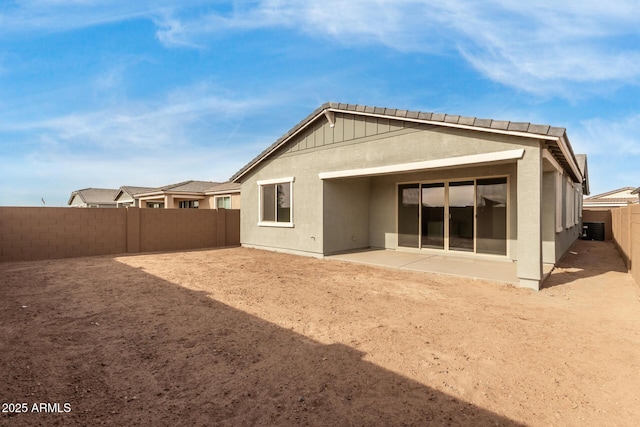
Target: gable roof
131 190
190 186
555 137
224 187
619 197
95 196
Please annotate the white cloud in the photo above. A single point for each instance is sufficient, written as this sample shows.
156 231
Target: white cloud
616 138
543 47
613 150
134 125
190 133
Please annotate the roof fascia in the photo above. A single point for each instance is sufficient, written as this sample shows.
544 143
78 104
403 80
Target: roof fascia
217 192
150 193
171 193
564 145
421 121
73 194
284 141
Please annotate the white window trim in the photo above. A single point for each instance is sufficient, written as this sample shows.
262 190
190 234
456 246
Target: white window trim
576 203
570 201
559 204
264 182
580 195
215 201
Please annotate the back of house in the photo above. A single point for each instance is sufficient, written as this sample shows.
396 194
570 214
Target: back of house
349 177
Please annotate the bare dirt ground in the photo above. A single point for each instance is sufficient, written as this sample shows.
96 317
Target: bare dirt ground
246 337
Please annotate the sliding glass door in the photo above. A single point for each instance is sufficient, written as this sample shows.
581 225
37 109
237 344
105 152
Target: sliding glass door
432 223
408 215
469 216
461 206
491 216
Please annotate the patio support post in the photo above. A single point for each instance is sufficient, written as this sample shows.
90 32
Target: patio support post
529 198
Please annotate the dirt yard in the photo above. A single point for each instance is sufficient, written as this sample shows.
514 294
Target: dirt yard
246 337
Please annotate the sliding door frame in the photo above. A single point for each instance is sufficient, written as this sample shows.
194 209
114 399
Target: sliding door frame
446 182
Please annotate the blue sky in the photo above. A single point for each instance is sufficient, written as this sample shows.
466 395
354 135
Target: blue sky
104 93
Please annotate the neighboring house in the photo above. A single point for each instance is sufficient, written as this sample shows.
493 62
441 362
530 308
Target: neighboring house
225 195
126 195
612 199
597 216
93 198
192 195
349 177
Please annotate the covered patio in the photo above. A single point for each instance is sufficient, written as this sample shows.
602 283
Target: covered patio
495 270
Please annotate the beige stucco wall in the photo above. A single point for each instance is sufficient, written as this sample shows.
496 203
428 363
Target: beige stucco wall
76 201
209 202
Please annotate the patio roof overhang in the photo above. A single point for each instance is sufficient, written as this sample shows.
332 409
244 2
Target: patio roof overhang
450 162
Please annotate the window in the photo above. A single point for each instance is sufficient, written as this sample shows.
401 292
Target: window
155 205
223 202
570 204
559 203
577 209
276 202
189 204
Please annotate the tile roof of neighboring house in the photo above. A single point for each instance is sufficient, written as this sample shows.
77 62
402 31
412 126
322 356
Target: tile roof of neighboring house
188 186
94 196
224 187
135 190
621 196
131 190
500 126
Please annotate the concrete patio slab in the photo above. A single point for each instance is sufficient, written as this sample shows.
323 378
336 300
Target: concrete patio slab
496 270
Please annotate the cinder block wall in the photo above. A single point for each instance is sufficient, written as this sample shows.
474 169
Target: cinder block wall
626 236
42 233
47 233
176 229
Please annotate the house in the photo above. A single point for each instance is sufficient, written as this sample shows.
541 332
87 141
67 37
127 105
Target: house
349 177
125 196
192 195
597 216
93 198
612 199
225 195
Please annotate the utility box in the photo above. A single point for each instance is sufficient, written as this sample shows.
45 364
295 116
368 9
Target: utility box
593 231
